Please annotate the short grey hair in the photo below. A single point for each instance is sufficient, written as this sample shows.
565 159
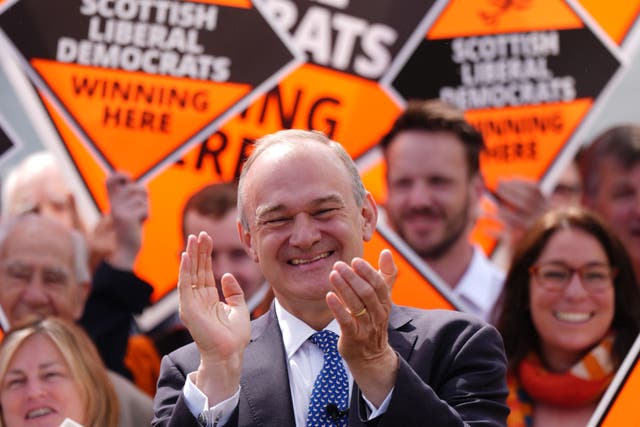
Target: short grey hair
291 137
80 250
29 171
620 143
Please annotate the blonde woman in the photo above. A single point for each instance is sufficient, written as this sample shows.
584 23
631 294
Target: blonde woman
50 371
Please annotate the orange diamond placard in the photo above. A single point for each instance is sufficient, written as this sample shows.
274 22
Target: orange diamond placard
519 71
140 82
136 119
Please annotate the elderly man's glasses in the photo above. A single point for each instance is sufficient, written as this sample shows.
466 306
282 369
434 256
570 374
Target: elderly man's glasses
555 277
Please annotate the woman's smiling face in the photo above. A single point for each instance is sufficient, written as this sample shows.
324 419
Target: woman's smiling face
38 389
574 318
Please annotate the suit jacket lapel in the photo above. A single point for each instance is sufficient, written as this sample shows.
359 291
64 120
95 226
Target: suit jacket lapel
265 393
402 337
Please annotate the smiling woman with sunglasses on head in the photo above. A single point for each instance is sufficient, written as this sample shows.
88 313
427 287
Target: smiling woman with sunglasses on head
569 315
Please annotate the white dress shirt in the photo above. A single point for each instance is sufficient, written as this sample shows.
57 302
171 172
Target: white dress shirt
481 284
304 363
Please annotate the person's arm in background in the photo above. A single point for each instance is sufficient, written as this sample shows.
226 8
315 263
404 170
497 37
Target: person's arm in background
521 202
117 293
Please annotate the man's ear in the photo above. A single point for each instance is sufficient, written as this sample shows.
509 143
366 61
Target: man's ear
477 189
369 212
81 301
245 238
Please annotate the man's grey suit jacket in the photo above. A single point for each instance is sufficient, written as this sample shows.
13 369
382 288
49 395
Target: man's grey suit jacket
452 373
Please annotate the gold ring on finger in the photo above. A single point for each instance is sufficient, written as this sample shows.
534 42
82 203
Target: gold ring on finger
359 313
194 287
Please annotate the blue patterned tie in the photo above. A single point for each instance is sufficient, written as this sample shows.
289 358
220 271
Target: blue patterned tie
330 397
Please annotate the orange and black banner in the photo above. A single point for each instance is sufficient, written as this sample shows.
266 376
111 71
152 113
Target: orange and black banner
520 72
136 83
526 85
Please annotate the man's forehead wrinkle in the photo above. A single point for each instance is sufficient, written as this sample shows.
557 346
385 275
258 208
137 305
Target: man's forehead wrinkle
61 269
21 264
267 209
36 226
333 197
